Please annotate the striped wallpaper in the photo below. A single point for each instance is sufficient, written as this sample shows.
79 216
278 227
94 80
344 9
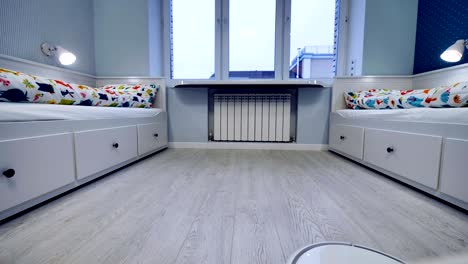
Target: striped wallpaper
25 24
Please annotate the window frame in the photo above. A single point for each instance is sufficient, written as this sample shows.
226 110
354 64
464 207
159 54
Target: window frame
282 43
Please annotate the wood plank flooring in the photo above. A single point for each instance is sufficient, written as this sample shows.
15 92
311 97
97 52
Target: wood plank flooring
232 206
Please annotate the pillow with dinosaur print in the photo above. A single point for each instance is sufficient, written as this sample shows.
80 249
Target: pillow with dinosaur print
137 95
20 87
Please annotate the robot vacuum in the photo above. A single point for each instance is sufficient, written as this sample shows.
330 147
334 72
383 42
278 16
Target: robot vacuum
340 253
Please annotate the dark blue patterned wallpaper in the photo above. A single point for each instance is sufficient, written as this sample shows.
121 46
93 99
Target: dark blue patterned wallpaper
440 24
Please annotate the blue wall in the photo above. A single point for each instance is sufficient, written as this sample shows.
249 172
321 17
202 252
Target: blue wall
122 37
155 34
313 110
25 24
389 37
188 115
440 24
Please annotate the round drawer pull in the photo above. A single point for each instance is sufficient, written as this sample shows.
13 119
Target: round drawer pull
342 137
9 173
156 135
115 145
390 150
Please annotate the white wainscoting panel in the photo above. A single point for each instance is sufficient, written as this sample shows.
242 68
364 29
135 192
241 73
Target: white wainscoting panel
52 72
346 84
442 77
44 70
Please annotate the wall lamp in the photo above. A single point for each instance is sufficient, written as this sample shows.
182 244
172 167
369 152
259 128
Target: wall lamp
454 53
64 56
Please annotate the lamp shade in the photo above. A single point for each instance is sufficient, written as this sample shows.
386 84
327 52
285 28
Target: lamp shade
454 53
64 56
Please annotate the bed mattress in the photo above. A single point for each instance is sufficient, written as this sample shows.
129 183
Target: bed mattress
428 115
20 112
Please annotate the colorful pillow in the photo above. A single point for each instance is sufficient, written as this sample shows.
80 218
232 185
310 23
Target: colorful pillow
453 96
139 95
20 87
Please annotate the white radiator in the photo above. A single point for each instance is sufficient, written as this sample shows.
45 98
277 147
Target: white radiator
252 117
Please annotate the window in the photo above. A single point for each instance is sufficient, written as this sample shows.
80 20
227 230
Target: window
252 39
312 37
260 39
193 39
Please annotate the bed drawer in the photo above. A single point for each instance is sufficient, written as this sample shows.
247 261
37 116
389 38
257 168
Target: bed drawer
348 139
97 150
413 156
34 166
151 137
454 175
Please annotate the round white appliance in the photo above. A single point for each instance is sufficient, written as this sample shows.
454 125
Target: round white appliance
340 253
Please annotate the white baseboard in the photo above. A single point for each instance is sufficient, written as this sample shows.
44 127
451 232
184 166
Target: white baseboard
246 145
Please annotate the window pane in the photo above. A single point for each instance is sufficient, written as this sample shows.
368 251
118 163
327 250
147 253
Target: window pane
193 39
252 39
312 34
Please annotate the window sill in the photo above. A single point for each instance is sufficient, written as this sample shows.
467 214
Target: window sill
247 83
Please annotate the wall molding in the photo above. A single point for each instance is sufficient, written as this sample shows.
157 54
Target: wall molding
373 77
441 77
45 70
448 69
47 66
248 145
340 86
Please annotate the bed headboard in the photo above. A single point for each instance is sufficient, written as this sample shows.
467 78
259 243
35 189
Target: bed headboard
160 98
347 84
443 77
44 70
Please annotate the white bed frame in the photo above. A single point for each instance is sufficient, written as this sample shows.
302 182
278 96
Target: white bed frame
52 157
429 156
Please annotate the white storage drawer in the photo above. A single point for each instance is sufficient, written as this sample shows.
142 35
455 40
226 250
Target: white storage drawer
454 173
151 136
34 166
97 150
348 139
413 156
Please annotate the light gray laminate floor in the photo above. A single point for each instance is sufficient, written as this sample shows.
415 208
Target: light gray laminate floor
232 206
